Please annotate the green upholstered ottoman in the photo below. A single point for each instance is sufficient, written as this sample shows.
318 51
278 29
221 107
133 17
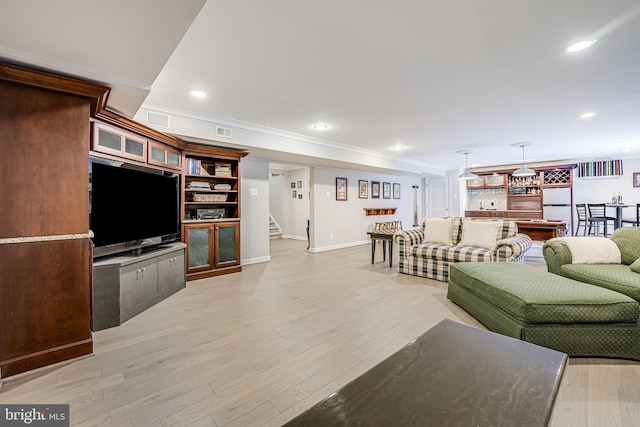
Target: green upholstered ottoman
546 309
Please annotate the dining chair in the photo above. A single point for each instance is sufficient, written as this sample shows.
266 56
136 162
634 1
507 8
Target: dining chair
635 222
597 216
581 209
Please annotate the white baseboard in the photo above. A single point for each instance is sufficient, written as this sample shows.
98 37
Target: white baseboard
288 236
255 260
341 246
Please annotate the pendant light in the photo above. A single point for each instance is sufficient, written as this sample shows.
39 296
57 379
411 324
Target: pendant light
466 174
522 170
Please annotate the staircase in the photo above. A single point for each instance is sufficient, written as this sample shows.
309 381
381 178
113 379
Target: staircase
275 232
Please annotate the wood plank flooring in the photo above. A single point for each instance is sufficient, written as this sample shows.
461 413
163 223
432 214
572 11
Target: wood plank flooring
258 347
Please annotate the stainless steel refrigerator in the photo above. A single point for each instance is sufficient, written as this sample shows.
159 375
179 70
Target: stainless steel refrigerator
556 204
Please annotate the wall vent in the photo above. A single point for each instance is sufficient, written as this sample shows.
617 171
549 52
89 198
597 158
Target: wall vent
225 132
158 119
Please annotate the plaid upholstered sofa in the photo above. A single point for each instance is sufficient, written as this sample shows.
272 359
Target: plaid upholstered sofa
620 275
431 259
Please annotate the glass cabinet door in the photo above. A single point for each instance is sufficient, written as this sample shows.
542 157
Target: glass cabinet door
198 238
227 244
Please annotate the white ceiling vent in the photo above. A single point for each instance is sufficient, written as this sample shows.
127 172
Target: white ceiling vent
158 119
225 132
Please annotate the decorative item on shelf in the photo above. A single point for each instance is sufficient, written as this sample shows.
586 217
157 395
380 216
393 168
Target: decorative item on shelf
210 213
522 170
222 169
379 211
466 174
198 185
222 187
209 197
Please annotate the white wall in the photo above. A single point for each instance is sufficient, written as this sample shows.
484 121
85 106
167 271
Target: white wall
346 220
254 226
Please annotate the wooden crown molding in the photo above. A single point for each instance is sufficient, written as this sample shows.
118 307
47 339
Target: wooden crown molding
96 93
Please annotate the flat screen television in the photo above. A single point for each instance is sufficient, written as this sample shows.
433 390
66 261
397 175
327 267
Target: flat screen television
132 207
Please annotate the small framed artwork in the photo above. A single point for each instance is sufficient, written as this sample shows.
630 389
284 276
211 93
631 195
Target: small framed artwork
294 194
396 190
386 190
293 185
636 179
299 196
341 188
299 184
375 189
363 189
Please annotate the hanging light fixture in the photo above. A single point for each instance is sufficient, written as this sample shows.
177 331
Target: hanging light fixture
466 174
522 170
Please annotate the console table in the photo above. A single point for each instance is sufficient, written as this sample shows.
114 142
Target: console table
126 285
452 375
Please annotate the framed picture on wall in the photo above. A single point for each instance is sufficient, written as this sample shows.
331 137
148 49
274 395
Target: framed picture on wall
294 194
386 190
293 185
299 184
341 188
396 190
636 179
375 189
300 196
363 189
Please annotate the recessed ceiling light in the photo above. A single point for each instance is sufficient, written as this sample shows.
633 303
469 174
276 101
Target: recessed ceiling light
398 147
587 115
198 94
577 47
320 126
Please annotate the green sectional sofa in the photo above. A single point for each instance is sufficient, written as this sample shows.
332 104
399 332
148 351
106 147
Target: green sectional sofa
587 308
542 308
623 277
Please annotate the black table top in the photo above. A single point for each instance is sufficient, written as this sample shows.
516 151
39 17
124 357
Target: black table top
452 375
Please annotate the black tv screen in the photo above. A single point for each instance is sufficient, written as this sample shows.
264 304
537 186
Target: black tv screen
130 205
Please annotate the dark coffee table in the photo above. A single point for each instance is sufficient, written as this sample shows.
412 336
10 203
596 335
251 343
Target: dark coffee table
452 375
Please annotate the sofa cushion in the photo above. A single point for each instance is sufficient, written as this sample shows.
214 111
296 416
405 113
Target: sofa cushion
534 296
617 277
628 241
635 267
438 230
480 234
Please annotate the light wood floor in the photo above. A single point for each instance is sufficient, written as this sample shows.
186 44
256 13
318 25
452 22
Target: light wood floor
261 346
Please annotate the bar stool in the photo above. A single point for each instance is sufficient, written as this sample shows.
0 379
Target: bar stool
597 216
634 222
581 208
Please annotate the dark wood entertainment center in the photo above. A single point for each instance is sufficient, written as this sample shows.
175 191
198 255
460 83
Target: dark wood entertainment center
50 125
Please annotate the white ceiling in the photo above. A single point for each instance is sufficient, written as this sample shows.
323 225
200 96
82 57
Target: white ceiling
434 76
